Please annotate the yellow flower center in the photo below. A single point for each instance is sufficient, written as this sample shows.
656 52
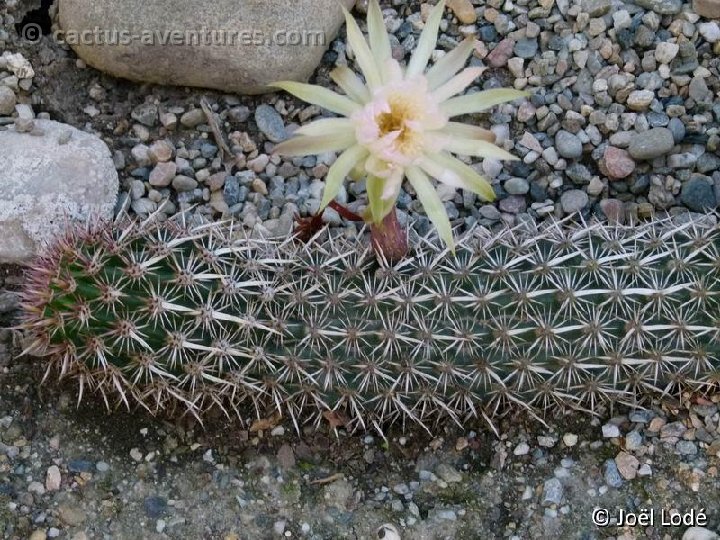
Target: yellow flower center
402 112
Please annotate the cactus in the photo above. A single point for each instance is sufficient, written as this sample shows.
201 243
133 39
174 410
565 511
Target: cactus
570 316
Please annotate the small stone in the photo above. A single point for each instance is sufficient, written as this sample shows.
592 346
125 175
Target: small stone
286 457
193 118
38 535
698 195
552 491
526 48
7 101
71 515
698 90
161 151
463 10
640 100
168 121
155 507
270 123
612 475
53 478
521 449
686 448
516 186
652 143
666 51
610 431
146 114
568 145
614 210
627 465
710 31
570 440
574 200
618 162
661 7
184 183
448 473
699 533
163 173
499 56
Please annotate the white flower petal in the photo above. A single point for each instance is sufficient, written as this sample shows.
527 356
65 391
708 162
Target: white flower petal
363 55
339 170
317 95
304 145
326 126
477 148
432 204
378 36
480 101
454 172
450 64
467 131
351 84
457 84
427 42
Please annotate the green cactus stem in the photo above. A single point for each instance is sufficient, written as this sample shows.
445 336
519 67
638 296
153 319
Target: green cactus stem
568 316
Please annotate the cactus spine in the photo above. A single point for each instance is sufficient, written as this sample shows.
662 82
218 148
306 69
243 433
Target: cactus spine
571 316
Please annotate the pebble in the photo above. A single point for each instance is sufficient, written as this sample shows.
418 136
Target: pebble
448 473
698 195
463 10
568 145
155 507
574 200
640 100
666 51
162 174
521 449
7 101
146 114
193 118
270 123
570 440
651 144
53 478
627 465
618 163
516 186
610 431
552 491
612 475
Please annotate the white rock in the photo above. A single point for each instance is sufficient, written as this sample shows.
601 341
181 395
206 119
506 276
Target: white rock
699 533
52 478
18 64
710 31
666 51
63 175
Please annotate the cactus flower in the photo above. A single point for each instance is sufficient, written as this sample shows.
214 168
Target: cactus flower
396 124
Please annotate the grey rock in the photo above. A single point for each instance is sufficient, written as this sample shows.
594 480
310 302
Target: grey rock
552 491
574 200
612 474
517 186
652 143
253 53
270 123
661 7
568 145
146 114
7 101
45 182
698 195
526 48
155 507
